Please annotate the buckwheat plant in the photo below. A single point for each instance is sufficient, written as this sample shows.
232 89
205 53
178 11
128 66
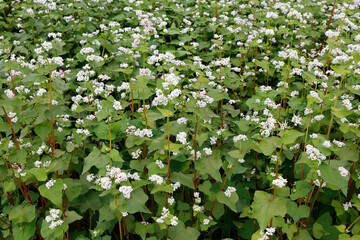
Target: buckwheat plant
196 119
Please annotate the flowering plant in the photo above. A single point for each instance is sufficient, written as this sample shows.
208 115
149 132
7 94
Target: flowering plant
223 119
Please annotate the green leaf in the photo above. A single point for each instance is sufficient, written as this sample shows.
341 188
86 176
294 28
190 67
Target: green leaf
97 159
184 179
43 129
342 112
164 188
210 165
303 235
243 125
289 136
297 212
348 154
20 214
263 64
24 231
54 193
137 201
340 69
39 173
72 216
265 208
73 189
165 112
228 201
124 70
269 145
142 229
180 232
115 155
60 85
302 189
333 177
356 56
200 139
18 156
102 131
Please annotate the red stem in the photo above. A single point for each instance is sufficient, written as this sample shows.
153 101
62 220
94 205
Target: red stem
332 13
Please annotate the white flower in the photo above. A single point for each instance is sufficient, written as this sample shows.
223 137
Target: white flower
347 205
213 140
160 164
136 154
174 221
126 190
327 144
207 151
50 183
240 137
40 92
314 153
296 120
90 177
171 201
9 93
181 137
105 183
343 171
229 190
182 120
47 46
117 105
54 218
197 208
156 178
175 185
279 182
206 221
270 231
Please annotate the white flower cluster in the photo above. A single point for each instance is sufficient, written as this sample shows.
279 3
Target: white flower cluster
279 182
160 99
343 171
181 120
160 164
39 164
181 137
175 185
240 137
170 79
296 120
347 205
202 98
267 126
156 178
54 218
9 93
166 214
126 190
198 208
207 151
50 183
229 190
314 154
117 105
136 154
139 133
116 174
331 34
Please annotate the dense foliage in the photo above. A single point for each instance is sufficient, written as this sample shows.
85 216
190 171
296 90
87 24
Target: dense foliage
228 119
